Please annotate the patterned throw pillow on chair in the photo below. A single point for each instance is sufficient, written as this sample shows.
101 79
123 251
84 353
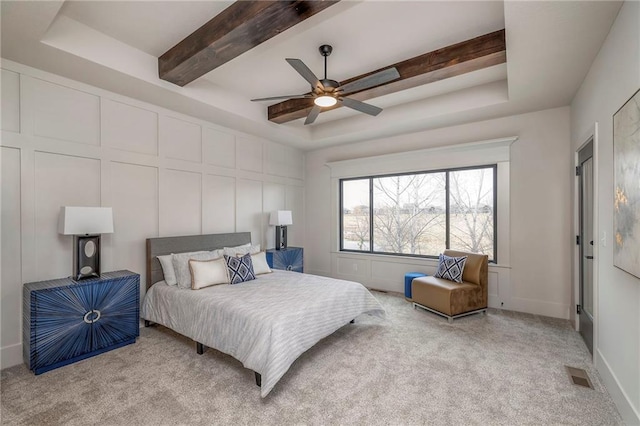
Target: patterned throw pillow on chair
450 268
240 268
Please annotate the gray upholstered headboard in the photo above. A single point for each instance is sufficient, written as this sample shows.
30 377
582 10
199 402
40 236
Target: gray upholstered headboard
168 245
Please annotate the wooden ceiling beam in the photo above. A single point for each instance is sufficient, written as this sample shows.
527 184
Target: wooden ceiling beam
470 55
237 29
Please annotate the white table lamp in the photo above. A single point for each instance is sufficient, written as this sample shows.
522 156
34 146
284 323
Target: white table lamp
85 224
281 218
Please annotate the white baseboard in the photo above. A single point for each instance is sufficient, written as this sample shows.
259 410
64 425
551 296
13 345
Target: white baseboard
519 304
629 413
11 355
540 307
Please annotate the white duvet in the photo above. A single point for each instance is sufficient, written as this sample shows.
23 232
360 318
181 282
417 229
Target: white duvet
266 323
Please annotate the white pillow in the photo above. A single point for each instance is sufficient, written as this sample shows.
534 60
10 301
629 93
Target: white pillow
169 273
205 273
260 265
242 250
181 264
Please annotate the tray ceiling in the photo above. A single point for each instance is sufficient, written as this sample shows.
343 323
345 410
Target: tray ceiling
115 45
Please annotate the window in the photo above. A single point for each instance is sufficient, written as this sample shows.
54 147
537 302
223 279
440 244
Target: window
420 214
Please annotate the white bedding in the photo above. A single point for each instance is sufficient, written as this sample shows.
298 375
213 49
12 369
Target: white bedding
266 323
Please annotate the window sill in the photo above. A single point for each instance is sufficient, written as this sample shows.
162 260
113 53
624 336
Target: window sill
401 259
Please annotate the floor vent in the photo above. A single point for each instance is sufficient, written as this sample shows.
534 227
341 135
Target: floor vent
579 377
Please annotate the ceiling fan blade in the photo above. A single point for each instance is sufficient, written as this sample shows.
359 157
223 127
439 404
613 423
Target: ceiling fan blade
275 98
376 79
360 106
305 72
313 114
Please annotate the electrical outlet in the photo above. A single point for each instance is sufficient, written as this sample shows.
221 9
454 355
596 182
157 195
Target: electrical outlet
355 267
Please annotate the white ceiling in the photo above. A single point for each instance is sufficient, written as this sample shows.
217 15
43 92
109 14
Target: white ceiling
115 45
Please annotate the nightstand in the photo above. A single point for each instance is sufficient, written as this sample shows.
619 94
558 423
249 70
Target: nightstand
65 321
290 259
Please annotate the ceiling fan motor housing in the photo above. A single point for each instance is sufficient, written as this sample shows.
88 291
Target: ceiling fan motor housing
326 92
329 85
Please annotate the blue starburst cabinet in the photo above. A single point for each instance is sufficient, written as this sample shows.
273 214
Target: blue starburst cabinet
290 259
65 321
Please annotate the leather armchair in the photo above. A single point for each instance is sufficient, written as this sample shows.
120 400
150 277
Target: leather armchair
451 299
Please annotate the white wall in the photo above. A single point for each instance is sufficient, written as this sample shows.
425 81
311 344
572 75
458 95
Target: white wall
382 272
164 174
536 277
614 76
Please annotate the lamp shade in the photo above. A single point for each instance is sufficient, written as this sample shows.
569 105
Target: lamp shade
85 220
281 218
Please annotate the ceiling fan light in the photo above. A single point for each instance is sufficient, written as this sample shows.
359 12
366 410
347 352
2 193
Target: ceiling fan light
325 101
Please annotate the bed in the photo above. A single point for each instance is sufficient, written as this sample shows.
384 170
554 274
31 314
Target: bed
266 323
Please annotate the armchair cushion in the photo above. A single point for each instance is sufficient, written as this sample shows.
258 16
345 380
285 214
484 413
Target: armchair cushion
446 296
475 268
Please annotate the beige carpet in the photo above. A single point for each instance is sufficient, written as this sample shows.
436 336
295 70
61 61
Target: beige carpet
503 368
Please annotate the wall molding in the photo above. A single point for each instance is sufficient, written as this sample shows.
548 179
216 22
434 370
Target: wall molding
132 156
540 307
386 272
493 151
11 355
468 154
629 414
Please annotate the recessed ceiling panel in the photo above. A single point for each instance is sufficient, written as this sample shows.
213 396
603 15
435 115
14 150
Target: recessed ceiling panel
151 26
365 36
113 45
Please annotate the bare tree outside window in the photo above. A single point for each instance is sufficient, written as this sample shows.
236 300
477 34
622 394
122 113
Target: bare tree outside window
355 215
407 214
471 206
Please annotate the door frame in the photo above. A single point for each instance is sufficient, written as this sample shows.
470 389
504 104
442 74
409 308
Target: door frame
590 135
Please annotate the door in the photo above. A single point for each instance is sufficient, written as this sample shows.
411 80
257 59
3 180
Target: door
115 314
585 241
58 332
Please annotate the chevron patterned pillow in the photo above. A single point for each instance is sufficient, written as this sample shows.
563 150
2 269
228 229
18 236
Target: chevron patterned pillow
240 268
451 268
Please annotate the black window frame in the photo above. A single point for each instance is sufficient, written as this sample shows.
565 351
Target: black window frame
447 210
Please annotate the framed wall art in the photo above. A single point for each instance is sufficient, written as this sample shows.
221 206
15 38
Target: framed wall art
626 170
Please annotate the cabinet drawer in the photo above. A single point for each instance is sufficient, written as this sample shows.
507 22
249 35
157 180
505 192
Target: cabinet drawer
118 306
57 327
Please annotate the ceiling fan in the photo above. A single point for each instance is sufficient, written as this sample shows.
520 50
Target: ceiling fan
326 92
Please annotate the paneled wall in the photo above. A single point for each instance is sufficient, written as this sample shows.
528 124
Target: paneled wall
164 174
534 245
387 272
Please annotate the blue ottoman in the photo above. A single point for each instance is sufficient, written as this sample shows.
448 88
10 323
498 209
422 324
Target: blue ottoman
408 277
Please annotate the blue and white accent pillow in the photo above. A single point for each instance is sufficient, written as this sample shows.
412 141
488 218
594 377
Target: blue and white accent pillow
451 268
240 268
